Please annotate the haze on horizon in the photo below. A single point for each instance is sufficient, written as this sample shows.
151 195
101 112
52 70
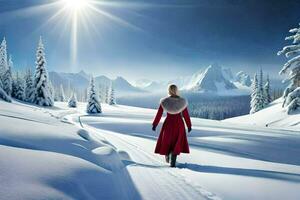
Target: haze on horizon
158 40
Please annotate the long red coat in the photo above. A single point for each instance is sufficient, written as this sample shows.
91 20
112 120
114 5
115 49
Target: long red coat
172 138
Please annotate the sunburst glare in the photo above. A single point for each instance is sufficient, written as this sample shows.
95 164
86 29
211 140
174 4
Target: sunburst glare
76 5
77 16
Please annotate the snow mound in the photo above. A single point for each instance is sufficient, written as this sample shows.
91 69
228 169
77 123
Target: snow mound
124 155
84 134
108 158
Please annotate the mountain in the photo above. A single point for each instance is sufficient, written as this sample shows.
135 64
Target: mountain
103 80
79 82
156 87
243 79
181 82
227 73
213 79
75 80
142 83
123 86
210 80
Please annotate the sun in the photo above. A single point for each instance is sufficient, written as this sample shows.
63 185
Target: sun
79 17
76 5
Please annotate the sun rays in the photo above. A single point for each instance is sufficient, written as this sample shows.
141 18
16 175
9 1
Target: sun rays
81 13
75 18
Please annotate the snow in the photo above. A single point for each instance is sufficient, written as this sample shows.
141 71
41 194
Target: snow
3 94
93 105
72 103
272 116
204 80
45 158
210 80
71 155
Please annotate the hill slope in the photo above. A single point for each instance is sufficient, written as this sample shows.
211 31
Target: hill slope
272 116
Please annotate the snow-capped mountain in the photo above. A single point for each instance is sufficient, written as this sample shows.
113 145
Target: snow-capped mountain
156 86
80 81
213 79
243 78
227 73
123 86
210 80
142 83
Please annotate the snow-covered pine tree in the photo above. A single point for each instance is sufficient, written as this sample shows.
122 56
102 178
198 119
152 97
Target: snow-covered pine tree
14 86
3 58
3 94
112 98
107 94
43 96
267 92
102 91
52 91
292 66
20 87
62 97
7 77
253 103
93 105
260 92
72 103
295 102
29 89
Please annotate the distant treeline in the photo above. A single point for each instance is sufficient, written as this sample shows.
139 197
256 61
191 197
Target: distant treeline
219 108
202 106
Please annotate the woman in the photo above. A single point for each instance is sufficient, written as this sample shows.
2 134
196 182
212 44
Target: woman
172 139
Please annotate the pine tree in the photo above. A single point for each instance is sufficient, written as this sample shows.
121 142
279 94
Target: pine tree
62 97
112 99
52 91
253 103
3 94
260 93
107 94
72 103
20 88
267 92
43 96
14 86
102 91
93 105
7 78
29 89
3 59
292 66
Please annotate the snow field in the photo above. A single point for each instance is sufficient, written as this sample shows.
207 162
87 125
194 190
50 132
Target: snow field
44 158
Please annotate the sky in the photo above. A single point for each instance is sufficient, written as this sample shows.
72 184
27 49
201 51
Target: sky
153 39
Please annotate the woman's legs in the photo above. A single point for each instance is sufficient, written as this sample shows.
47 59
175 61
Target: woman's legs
167 157
173 160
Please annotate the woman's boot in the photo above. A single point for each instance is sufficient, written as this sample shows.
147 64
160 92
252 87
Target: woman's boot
167 157
173 160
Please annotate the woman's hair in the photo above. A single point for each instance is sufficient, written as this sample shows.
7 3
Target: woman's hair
173 90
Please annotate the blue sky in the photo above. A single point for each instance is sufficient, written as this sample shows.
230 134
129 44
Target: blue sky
165 39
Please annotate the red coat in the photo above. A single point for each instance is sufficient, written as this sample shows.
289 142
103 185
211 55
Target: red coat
172 138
